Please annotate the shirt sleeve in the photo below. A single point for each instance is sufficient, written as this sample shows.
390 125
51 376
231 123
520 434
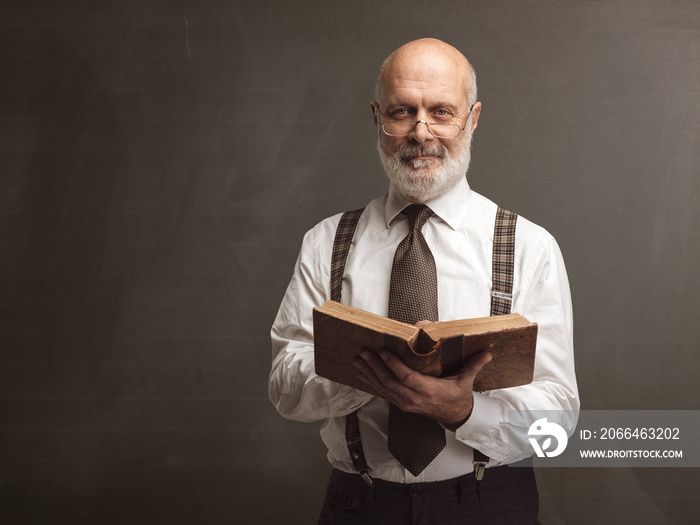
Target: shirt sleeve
544 297
294 388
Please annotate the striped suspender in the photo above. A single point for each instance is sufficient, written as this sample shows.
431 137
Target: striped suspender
503 261
501 301
341 247
502 292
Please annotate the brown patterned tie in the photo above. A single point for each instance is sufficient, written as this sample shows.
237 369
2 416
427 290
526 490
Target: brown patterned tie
414 440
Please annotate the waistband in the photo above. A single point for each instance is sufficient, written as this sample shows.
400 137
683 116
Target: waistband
508 493
493 475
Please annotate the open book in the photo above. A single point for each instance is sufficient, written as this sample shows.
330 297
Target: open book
341 332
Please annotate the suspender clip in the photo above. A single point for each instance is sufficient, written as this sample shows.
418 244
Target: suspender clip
502 295
480 461
479 470
366 478
358 459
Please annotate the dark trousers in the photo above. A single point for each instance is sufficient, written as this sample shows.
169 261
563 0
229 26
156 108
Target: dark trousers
506 496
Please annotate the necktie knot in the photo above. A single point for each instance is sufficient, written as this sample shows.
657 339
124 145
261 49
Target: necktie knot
418 215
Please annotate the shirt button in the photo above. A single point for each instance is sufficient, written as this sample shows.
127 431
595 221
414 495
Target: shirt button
467 436
416 491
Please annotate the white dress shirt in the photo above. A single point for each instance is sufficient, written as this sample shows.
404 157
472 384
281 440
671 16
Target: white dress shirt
460 236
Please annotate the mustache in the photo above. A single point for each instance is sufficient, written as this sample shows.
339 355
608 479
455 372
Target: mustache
408 151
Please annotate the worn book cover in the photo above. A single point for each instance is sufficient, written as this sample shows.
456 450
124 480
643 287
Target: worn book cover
341 332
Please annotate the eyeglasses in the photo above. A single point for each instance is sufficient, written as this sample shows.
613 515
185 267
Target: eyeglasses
442 130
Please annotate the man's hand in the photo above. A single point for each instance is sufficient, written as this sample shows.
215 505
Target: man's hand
448 399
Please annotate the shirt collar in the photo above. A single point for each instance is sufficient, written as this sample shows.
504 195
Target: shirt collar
450 206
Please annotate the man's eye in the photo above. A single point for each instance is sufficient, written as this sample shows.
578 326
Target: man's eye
442 113
399 113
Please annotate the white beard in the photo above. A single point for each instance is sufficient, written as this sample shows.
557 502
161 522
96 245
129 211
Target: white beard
422 180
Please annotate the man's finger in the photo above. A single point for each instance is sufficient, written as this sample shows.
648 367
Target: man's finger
367 373
377 371
398 367
409 378
473 367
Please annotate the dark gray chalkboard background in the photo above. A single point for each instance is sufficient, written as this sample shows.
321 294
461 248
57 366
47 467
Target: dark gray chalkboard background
160 161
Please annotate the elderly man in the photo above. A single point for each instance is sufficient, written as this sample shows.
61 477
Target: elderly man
424 252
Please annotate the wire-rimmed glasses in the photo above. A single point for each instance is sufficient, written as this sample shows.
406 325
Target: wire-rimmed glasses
442 130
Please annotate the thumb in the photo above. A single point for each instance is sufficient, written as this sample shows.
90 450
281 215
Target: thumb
474 365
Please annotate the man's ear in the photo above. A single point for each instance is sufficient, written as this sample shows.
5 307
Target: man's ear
476 111
375 112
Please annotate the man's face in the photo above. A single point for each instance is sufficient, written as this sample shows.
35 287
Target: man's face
429 87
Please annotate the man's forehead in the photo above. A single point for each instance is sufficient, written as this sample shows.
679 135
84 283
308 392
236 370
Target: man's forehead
406 92
411 80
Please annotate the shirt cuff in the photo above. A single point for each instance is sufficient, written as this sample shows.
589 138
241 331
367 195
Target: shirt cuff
483 424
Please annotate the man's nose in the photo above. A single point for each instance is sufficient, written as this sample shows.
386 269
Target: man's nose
421 133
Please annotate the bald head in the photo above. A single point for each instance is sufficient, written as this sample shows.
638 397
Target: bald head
433 57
